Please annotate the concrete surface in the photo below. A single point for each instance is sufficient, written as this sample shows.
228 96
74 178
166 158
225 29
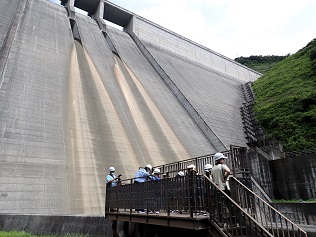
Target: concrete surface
56 225
69 109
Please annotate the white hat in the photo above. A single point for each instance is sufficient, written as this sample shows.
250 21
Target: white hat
181 173
208 167
191 166
219 156
148 166
156 171
111 169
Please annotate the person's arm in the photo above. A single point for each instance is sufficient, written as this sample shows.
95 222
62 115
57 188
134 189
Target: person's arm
226 172
110 179
147 176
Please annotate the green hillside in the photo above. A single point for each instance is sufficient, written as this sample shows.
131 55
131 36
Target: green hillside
260 63
286 100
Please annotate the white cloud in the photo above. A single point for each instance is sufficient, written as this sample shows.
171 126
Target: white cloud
234 28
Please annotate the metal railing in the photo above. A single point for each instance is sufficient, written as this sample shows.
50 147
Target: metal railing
182 193
242 214
191 194
228 215
133 198
274 221
237 161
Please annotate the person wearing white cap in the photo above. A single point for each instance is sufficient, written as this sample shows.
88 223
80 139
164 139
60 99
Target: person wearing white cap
157 202
220 172
191 169
111 179
142 174
180 174
156 174
207 170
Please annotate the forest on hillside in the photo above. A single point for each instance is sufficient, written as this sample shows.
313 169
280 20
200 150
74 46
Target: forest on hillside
285 103
260 63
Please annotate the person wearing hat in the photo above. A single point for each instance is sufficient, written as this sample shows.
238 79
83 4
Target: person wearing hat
143 174
192 182
220 172
180 174
156 174
207 170
157 202
191 169
111 179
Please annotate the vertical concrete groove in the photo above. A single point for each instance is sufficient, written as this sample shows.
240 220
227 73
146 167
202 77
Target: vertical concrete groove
111 45
6 47
151 125
163 124
75 159
118 128
146 133
138 117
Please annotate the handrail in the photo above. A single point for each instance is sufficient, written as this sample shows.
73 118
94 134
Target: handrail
183 193
226 213
264 213
191 194
237 161
261 190
196 194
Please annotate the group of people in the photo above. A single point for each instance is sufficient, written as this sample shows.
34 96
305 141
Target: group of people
142 175
218 173
147 173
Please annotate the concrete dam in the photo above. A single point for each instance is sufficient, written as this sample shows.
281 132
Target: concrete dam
78 96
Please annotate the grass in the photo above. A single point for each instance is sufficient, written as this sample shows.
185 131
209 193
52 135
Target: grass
285 102
25 234
294 201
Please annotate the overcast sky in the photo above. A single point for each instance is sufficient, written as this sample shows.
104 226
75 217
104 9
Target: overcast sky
234 28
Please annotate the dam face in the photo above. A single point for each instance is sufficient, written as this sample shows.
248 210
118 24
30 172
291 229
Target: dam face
78 96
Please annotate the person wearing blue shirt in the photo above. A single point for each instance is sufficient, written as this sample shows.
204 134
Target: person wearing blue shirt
111 179
157 201
142 174
156 174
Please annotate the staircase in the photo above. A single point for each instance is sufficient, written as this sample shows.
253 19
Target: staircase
242 213
262 212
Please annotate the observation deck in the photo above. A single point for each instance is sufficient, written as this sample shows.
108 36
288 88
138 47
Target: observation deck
194 202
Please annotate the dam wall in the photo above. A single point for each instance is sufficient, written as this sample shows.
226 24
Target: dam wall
170 41
70 108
